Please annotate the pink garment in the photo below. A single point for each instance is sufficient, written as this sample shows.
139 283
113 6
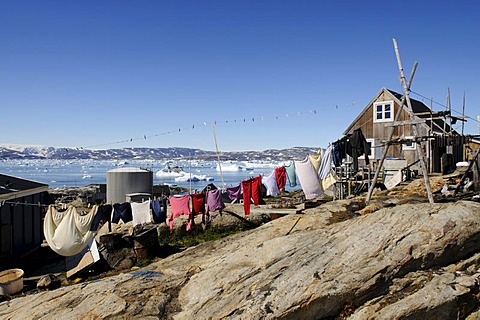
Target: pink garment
308 178
180 206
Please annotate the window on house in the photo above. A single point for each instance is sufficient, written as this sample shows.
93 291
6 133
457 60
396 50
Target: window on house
371 155
410 145
383 111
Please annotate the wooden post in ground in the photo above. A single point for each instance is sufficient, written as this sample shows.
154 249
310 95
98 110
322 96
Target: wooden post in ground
476 172
406 88
385 150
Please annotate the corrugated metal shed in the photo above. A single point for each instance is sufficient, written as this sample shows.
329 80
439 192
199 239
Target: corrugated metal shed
21 215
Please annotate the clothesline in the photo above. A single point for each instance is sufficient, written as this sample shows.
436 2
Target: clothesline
251 119
442 105
15 203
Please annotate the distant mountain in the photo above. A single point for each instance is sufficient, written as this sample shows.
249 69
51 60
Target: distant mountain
43 152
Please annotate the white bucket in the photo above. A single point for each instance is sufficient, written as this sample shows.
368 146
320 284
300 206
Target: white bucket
11 281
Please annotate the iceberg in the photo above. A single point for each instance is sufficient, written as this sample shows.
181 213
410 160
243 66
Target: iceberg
229 167
193 178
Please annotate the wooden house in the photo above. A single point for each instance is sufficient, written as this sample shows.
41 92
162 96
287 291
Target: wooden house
22 206
376 120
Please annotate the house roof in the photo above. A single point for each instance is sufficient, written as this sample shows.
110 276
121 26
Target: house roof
419 109
13 187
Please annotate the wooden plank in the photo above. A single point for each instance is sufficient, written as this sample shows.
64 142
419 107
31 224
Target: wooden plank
394 181
87 260
403 123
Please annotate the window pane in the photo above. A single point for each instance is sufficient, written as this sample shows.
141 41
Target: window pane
379 108
387 107
387 115
379 115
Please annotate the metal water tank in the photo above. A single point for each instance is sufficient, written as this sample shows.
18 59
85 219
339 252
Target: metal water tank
123 181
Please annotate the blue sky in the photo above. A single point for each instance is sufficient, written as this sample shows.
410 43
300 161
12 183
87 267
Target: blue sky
98 74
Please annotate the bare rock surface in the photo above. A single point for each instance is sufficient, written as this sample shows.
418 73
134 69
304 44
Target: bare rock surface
297 267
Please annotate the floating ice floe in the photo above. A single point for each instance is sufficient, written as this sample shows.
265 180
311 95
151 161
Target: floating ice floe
193 178
170 172
181 176
229 167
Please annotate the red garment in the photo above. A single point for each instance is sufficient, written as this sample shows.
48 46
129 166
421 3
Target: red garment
198 203
281 177
252 190
246 188
180 206
257 190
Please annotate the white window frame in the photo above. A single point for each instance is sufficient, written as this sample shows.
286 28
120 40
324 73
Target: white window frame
406 147
383 111
371 155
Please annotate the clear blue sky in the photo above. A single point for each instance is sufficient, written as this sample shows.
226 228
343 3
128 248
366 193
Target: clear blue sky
95 73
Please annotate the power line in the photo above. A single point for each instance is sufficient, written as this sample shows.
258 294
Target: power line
443 105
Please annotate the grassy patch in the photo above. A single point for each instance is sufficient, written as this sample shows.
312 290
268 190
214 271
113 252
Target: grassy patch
198 235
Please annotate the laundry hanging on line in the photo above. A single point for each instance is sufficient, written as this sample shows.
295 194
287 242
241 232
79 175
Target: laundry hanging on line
308 178
68 233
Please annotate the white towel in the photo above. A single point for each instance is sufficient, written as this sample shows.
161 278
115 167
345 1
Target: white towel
141 212
270 183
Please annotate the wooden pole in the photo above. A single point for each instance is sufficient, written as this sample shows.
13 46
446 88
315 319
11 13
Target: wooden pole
464 150
406 88
218 154
392 132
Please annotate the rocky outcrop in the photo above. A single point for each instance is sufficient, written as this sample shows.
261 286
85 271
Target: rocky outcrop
408 261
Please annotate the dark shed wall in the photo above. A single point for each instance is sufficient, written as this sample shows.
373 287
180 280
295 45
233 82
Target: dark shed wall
21 226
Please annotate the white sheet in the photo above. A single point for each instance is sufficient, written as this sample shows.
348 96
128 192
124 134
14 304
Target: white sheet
68 233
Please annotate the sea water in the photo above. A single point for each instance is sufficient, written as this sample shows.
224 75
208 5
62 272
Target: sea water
195 174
